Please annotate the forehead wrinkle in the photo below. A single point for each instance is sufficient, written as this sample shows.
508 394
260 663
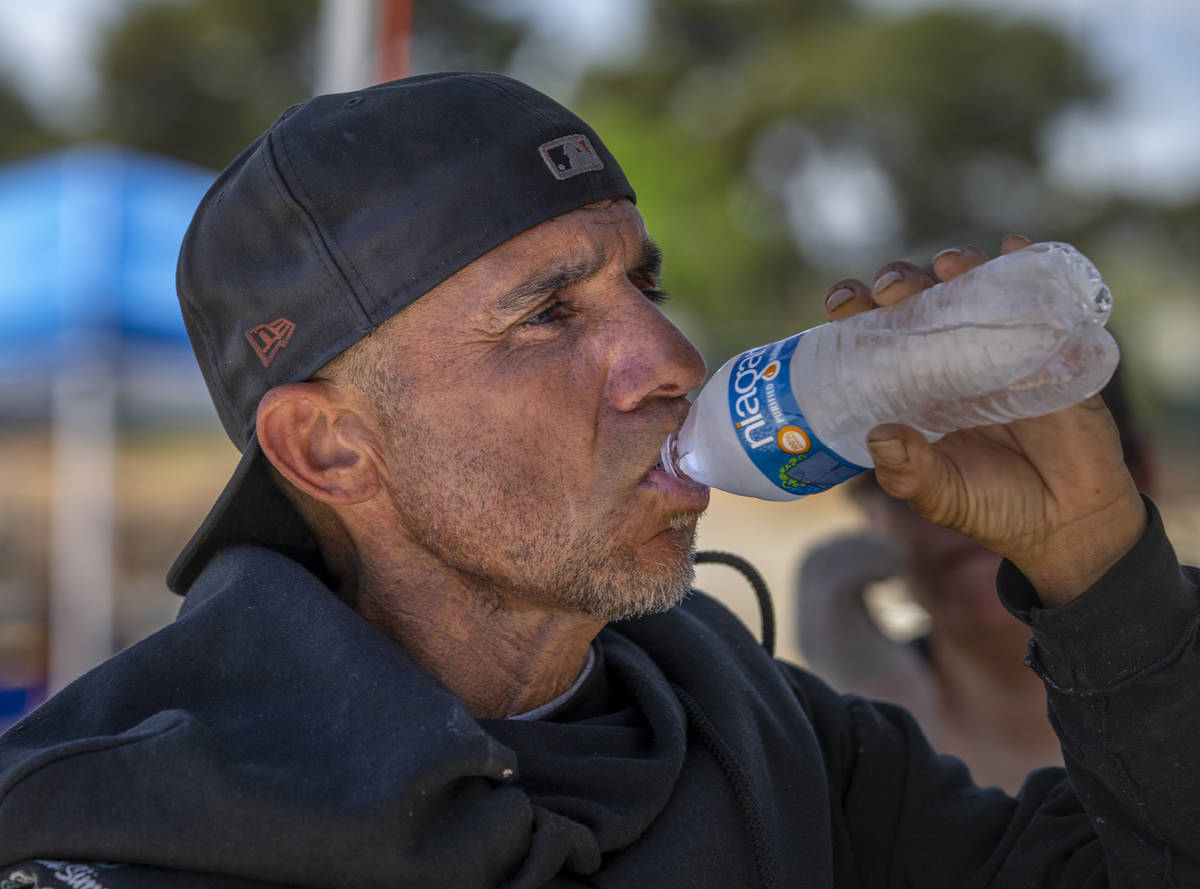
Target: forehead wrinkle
547 280
572 270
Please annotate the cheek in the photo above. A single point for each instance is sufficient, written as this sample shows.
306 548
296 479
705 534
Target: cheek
549 405
523 425
528 444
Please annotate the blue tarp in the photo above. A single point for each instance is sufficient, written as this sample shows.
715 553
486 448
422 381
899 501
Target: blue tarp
88 243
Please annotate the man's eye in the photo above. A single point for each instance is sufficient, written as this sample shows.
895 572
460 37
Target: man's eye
553 312
656 295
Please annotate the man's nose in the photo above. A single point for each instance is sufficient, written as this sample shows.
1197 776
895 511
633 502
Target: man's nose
651 359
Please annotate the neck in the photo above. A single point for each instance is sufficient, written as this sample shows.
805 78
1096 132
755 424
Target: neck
499 654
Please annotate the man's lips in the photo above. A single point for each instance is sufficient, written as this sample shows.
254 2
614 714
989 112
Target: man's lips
684 493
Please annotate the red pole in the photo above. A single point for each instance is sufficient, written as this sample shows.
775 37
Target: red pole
395 38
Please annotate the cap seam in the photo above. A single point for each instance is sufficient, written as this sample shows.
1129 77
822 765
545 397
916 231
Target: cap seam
210 346
315 228
518 100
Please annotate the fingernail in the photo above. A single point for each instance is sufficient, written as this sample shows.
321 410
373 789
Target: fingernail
886 280
949 251
839 297
887 451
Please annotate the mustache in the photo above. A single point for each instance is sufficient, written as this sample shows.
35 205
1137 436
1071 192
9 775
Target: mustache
684 521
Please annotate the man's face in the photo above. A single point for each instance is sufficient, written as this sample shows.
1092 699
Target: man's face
533 391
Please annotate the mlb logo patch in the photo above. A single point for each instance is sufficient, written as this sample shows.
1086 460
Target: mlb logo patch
570 156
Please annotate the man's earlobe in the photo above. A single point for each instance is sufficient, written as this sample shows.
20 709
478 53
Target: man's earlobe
318 443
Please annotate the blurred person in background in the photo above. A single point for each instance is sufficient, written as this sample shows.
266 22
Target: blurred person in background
963 677
437 629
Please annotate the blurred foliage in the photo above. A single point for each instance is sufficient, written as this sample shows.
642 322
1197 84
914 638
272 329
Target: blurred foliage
737 114
200 80
462 35
22 133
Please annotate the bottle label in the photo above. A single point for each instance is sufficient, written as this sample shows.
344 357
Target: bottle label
773 431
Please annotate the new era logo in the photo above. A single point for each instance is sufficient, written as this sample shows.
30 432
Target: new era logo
268 339
570 156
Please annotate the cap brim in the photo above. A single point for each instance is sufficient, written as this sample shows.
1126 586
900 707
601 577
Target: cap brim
251 510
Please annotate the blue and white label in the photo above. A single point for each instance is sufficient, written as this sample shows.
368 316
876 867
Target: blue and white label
772 430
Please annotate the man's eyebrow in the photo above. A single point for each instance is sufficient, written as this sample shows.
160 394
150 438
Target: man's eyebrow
545 281
649 264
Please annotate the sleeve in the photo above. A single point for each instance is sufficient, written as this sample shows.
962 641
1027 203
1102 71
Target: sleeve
1123 679
1121 666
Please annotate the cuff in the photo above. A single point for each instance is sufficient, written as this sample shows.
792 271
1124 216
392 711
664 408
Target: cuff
1137 616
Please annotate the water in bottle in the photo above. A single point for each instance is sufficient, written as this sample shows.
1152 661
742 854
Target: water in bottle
1020 336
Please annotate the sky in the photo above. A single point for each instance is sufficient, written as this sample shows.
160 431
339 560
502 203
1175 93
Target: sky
1146 143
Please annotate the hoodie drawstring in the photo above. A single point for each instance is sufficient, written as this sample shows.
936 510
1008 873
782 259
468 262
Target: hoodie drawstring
764 862
765 607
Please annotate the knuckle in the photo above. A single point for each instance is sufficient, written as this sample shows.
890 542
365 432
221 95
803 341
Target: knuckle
899 266
852 284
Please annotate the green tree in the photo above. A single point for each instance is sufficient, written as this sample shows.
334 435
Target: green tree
462 35
199 80
733 110
23 134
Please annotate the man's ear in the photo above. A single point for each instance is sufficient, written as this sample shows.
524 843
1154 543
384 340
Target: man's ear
319 441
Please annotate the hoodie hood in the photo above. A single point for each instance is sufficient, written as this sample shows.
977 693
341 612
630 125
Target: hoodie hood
273 734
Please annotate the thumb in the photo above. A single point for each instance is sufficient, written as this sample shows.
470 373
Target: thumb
908 469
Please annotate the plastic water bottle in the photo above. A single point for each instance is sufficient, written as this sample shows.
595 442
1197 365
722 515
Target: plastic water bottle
1020 336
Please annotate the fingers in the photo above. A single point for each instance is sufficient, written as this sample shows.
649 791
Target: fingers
892 283
900 280
908 469
1013 243
952 262
893 448
847 297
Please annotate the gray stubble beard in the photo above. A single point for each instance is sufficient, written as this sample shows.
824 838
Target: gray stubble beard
618 590
584 575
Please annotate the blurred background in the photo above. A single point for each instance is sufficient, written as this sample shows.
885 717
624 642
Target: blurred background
776 146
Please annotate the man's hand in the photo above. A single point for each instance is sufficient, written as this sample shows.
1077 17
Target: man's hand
1052 494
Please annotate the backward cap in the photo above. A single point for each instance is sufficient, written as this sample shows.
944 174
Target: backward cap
351 206
347 209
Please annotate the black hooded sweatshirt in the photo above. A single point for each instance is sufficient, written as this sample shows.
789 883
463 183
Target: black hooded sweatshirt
272 737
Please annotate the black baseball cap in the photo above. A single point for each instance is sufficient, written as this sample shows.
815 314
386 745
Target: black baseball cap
348 208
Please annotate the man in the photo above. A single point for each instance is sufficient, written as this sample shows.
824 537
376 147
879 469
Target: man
432 633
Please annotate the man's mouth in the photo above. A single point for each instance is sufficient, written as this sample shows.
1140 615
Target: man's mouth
685 494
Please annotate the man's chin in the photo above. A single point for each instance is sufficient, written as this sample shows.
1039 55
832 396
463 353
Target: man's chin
655 588
641 603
